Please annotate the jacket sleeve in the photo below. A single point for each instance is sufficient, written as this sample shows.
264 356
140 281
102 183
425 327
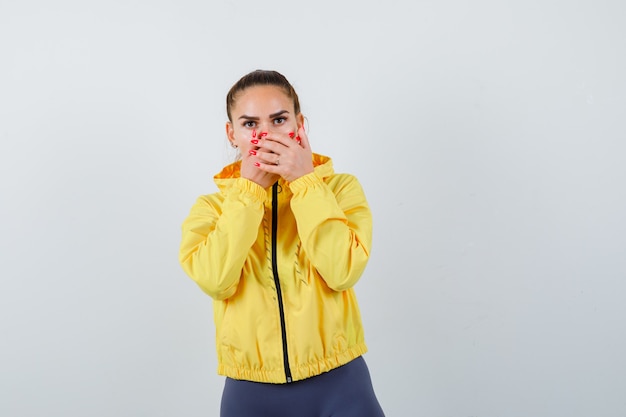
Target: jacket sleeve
335 226
216 240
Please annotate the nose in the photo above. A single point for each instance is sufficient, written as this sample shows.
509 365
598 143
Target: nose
265 128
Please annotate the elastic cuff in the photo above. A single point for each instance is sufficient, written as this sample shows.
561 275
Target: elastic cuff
304 182
246 186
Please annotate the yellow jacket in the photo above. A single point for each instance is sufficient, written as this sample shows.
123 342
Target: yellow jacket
280 265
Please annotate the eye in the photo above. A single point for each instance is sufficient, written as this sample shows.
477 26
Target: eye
249 124
279 120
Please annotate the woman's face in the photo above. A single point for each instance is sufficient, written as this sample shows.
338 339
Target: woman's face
261 109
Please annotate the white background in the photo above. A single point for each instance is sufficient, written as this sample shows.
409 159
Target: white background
489 137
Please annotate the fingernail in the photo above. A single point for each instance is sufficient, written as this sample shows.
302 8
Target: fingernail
255 141
298 138
252 152
256 164
254 133
263 134
291 135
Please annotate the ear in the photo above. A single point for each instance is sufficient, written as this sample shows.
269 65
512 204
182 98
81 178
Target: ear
300 119
230 133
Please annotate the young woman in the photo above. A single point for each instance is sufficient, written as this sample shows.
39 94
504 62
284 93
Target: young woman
279 249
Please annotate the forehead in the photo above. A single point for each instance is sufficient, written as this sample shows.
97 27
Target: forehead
262 97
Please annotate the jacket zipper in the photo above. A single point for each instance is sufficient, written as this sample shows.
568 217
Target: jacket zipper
281 307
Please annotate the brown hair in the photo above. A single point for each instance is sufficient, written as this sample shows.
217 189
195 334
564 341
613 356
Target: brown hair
261 77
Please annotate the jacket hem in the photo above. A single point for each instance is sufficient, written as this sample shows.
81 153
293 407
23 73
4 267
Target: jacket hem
299 372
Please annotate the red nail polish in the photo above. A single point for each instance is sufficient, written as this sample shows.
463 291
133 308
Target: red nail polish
251 152
291 135
298 138
256 164
263 134
255 141
254 133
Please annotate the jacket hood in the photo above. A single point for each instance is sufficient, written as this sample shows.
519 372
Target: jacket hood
322 165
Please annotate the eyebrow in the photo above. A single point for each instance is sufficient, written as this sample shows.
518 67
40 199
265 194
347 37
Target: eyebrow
278 113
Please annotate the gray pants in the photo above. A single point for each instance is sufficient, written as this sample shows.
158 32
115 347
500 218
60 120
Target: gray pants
343 392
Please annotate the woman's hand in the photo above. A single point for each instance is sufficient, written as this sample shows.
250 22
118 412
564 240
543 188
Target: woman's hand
282 156
251 171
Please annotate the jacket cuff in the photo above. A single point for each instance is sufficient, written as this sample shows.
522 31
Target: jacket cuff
250 188
304 182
